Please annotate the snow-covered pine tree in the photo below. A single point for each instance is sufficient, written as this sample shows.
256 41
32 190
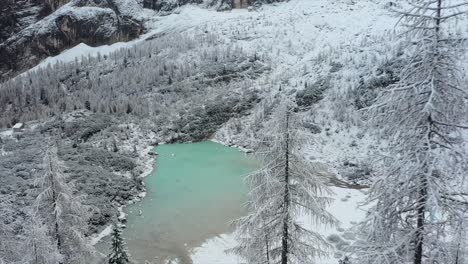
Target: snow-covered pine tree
421 198
118 254
9 242
39 247
285 188
63 212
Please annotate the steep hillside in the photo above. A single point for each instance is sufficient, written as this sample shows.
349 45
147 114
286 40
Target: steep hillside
34 30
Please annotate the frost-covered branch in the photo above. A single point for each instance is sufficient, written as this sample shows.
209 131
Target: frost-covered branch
286 187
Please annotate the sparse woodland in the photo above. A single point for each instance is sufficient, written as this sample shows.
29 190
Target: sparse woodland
390 114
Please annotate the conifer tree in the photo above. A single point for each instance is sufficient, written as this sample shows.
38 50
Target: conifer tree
63 213
9 243
118 253
421 196
39 247
286 187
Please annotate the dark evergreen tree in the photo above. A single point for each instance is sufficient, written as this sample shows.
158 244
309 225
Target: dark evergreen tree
345 260
118 253
88 105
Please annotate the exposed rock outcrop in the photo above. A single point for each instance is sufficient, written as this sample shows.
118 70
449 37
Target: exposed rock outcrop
53 5
94 22
221 5
8 19
17 15
167 5
35 29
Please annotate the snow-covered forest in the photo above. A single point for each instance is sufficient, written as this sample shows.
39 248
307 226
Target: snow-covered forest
356 111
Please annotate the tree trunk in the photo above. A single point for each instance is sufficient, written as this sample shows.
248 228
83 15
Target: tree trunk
285 248
418 254
438 17
55 200
36 258
421 203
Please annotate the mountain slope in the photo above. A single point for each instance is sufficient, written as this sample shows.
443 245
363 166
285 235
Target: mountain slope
200 74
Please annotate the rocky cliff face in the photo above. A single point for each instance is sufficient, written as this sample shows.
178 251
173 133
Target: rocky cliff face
94 22
8 19
167 5
35 29
17 15
53 5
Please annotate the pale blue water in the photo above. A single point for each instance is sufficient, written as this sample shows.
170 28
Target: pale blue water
195 191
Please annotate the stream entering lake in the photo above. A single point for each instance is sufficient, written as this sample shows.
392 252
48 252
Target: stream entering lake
193 194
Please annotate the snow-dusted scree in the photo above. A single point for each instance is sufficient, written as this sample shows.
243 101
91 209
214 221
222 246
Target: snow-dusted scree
382 105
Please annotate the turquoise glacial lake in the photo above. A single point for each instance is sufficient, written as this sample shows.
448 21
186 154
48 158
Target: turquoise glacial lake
194 193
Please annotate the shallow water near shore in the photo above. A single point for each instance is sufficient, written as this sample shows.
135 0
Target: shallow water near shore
193 194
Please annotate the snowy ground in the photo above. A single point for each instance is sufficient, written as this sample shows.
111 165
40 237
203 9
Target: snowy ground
345 208
300 34
301 38
295 31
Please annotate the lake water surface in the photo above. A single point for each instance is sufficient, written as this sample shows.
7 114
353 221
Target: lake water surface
193 194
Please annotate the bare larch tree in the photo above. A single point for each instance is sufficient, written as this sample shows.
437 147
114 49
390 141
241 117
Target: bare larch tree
285 188
421 198
63 211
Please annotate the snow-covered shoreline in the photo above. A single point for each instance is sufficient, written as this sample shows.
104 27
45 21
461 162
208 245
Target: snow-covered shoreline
243 149
345 207
149 164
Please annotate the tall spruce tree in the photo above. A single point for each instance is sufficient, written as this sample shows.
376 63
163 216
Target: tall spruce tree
118 254
285 188
420 200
